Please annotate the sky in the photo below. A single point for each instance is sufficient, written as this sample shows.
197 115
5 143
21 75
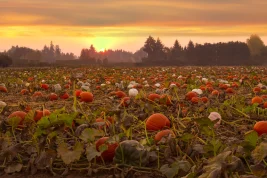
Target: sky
125 24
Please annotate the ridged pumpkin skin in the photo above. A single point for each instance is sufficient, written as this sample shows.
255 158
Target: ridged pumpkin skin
109 154
157 122
261 127
163 133
19 114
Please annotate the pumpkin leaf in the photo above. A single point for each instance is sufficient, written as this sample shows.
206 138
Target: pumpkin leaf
171 171
13 168
67 155
14 121
88 134
258 170
45 158
91 152
259 153
251 139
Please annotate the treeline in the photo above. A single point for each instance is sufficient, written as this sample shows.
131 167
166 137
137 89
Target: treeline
154 52
232 53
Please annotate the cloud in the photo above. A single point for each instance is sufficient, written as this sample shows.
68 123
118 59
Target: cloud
94 13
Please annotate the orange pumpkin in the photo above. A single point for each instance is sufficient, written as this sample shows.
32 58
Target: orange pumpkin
157 122
204 99
229 90
261 127
39 114
3 89
215 93
257 99
53 97
265 105
37 94
257 90
190 95
65 96
18 114
86 97
153 96
45 86
195 100
108 154
24 91
120 94
163 133
78 93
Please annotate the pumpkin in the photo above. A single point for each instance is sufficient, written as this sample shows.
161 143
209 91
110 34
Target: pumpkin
204 99
78 93
53 97
86 97
256 99
108 154
261 127
65 96
190 95
229 90
24 91
157 122
195 100
131 152
265 105
163 133
3 89
19 115
45 86
256 89
215 93
39 114
120 94
153 97
37 94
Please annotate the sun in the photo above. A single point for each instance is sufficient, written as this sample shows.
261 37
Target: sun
102 50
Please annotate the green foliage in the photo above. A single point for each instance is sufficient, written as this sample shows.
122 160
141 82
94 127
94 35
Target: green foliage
172 170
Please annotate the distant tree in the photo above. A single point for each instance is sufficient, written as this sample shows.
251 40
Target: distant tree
139 54
5 61
99 61
159 50
57 52
105 61
176 51
190 50
150 47
255 45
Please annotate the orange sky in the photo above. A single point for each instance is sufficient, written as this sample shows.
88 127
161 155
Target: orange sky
123 24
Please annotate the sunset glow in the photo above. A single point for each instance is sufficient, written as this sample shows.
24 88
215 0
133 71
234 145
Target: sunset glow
126 24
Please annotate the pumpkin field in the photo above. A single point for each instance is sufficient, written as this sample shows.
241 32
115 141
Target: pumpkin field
190 122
